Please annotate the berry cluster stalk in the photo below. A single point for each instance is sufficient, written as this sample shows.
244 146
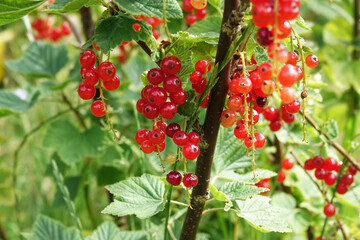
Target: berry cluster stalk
211 126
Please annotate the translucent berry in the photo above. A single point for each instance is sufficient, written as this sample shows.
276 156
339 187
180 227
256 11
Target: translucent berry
186 5
329 164
199 4
265 71
160 124
172 128
234 103
281 176
140 105
320 173
90 76
180 138
240 131
190 180
352 170
190 19
97 108
147 147
106 71
87 58
341 188
201 14
191 151
228 118
142 135
170 65
271 114
168 110
155 76
194 138
275 125
170 158
287 164
347 179
292 58
150 111
200 66
293 107
172 84
178 97
86 91
112 84
329 210
287 95
264 36
156 137
248 141
309 164
330 179
174 178
288 75
318 162
268 87
260 140
311 61
195 77
157 96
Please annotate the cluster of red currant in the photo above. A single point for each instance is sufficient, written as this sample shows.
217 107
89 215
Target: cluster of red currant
199 82
287 164
153 21
324 171
190 180
46 31
200 6
103 75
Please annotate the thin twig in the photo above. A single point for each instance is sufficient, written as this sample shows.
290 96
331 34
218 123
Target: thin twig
73 29
75 111
3 235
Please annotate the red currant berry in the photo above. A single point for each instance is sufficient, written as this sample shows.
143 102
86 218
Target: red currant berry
256 80
330 179
264 36
191 151
95 46
87 58
264 184
245 85
172 128
136 27
234 103
201 13
194 138
281 176
311 60
190 19
321 238
263 15
300 72
190 180
320 173
147 147
341 188
86 91
199 4
240 131
205 102
180 138
248 142
284 30
260 140
288 75
174 178
65 28
156 137
146 91
195 77
172 84
338 167
97 108
160 124
309 164
112 84
329 164
178 97
265 71
287 95
106 71
293 107
228 118
318 162
275 125
157 96
289 10
186 5
55 34
168 110
271 114
156 34
155 76
268 87
292 58
288 117
160 147
329 210
287 164
352 170
170 65
347 179
150 111
90 76
142 135
140 105
200 66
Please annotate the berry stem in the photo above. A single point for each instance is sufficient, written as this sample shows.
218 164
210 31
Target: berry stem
165 21
179 203
252 138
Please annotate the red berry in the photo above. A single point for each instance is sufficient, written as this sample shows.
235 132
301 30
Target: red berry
178 97
172 84
180 138
112 84
170 65
174 178
281 176
95 46
200 66
201 13
160 147
329 164
330 179
256 80
271 114
140 105
155 76
284 30
264 36
287 164
280 53
86 91
190 19
156 34
289 10
300 72
190 180
97 108
245 85
142 135
329 210
311 60
288 75
264 184
248 142
265 71
106 71
150 111
347 179
55 34
352 170
89 75
157 137
288 117
194 138
200 87
195 77
172 128
186 5
318 162
309 164
321 238
146 91
160 124
263 15
240 131
341 188
157 96
168 110
228 118
259 140
293 107
275 125
338 167
199 4
191 151
87 58
292 58
65 28
320 173
147 147
268 87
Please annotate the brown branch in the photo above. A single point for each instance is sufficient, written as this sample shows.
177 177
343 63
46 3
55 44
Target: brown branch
87 22
337 146
73 29
212 122
338 221
75 111
3 235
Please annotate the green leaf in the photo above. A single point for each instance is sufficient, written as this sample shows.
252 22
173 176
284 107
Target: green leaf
215 3
72 145
331 128
249 177
230 152
151 8
301 23
239 190
142 196
258 212
12 10
46 228
209 27
41 59
189 107
10 103
109 231
112 31
261 55
218 194
62 6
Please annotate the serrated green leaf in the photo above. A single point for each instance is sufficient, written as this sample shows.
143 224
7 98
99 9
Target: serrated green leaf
261 55
10 103
301 23
239 190
46 228
218 194
249 177
258 212
72 145
12 10
112 31
151 8
142 196
230 152
41 59
62 6
331 128
109 231
209 27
